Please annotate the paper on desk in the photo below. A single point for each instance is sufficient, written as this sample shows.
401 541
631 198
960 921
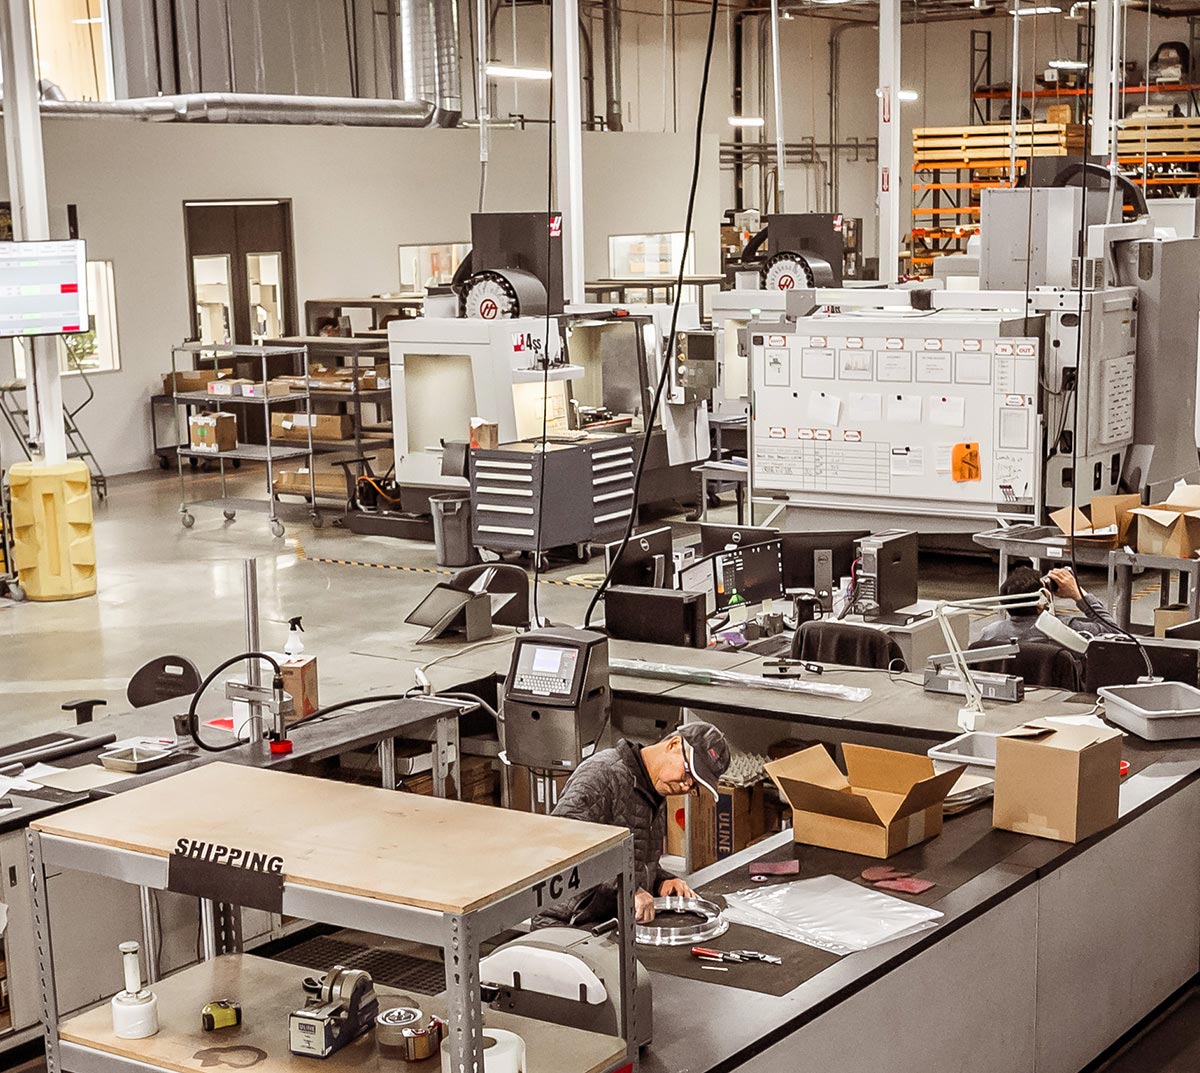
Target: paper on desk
1080 721
9 783
78 779
35 771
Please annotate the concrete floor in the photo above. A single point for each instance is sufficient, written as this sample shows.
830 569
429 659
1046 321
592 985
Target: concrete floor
164 589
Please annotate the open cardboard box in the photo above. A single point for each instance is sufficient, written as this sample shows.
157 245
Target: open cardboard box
1106 522
1057 781
1171 528
886 802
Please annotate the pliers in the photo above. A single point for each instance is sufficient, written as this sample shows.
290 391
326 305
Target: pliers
705 953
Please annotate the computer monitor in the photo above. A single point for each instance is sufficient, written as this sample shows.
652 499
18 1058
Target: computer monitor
799 549
1185 631
701 576
714 538
646 560
1119 662
754 572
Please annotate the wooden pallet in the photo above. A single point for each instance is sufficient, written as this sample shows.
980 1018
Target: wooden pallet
1158 134
989 144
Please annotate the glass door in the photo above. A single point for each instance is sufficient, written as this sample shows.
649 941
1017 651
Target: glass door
264 274
211 275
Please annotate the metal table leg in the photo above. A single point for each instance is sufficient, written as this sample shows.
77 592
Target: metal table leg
1124 592
48 995
462 995
387 763
626 886
441 757
208 929
149 934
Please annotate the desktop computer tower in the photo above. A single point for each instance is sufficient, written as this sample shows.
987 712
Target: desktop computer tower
887 574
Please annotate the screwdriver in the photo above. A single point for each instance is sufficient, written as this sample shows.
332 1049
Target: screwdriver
705 953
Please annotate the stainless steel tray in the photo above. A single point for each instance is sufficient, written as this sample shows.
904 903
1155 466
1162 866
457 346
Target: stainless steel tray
139 759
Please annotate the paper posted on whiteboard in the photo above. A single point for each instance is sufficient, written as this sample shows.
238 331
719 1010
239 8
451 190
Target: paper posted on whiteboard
908 461
824 409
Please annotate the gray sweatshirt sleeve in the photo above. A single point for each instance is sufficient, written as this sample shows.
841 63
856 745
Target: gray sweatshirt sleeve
1097 619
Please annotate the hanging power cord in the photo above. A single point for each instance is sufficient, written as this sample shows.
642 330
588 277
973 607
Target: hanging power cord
669 356
193 722
537 540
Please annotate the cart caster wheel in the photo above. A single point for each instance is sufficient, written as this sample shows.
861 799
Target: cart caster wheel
230 515
187 521
237 463
277 529
317 520
194 463
16 593
164 462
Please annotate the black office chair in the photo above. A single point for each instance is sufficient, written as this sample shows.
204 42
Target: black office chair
1039 663
163 678
853 646
504 578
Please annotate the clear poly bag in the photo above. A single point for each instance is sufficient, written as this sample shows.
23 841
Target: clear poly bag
637 668
830 913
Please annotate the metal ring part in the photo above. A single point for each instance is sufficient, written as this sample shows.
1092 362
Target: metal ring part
657 935
406 1032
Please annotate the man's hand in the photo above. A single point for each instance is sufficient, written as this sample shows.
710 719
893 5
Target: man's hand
675 888
1068 586
643 906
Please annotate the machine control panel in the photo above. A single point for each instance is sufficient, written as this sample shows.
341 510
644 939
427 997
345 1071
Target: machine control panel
546 670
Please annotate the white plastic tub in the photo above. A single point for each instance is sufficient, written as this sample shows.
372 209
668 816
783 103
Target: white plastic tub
1156 711
976 749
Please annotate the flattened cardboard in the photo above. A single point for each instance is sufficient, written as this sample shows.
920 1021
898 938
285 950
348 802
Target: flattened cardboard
887 802
1057 782
1104 513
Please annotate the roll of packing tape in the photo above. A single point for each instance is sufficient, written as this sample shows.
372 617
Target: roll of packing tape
503 1052
407 1033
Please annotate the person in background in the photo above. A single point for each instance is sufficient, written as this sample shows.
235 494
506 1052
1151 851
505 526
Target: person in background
627 786
1020 623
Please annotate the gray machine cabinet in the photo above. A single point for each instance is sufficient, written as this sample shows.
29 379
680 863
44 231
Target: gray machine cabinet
585 493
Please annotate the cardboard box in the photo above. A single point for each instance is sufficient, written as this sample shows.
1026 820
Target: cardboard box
1171 615
329 482
885 803
190 380
300 680
212 433
294 427
1056 781
1171 528
1060 113
721 828
272 389
228 386
1093 525
485 435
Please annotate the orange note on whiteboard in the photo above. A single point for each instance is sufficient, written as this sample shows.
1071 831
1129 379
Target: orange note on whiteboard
964 462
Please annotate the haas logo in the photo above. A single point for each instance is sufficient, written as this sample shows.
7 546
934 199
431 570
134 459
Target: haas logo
488 309
787 281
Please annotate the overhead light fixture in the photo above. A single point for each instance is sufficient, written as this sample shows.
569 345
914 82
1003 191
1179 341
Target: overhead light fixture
1045 9
525 74
830 3
907 95
1068 65
747 121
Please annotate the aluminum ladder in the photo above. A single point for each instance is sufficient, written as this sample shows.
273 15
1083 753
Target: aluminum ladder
14 407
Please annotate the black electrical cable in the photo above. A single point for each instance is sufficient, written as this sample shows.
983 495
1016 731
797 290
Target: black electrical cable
537 540
329 709
193 724
669 356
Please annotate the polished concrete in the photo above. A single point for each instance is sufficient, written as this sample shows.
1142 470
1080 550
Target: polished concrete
165 589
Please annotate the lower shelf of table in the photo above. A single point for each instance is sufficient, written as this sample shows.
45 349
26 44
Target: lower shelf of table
268 991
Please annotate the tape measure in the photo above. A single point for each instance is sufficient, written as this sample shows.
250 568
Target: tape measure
223 1013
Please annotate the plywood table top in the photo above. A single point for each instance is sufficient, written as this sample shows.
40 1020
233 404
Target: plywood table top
268 992
424 852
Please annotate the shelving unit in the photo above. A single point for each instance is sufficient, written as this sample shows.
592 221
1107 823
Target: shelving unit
487 870
268 454
951 165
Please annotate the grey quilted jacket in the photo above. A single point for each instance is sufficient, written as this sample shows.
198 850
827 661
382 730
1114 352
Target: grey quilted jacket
613 787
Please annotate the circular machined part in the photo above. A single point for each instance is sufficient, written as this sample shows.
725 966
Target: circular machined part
712 924
405 1032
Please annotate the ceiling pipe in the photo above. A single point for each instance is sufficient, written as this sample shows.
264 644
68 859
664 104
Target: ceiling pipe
252 108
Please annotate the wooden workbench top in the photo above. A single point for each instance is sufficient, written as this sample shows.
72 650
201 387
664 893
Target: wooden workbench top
448 856
268 992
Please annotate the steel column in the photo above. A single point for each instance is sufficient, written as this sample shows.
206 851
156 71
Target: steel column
888 187
568 144
1104 76
30 213
149 933
208 929
777 87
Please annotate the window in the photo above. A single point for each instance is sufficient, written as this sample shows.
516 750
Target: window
97 349
71 47
658 255
430 266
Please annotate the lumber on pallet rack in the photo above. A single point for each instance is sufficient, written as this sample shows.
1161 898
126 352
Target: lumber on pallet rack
1158 134
940 146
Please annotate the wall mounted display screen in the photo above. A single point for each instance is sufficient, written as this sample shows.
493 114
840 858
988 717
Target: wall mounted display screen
43 288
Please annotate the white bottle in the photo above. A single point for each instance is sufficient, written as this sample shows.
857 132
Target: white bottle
295 643
134 1010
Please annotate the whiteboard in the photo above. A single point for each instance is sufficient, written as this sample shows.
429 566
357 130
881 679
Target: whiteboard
911 409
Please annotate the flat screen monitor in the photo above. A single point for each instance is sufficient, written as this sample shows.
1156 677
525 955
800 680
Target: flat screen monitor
753 572
798 549
701 576
714 538
43 288
1185 631
646 560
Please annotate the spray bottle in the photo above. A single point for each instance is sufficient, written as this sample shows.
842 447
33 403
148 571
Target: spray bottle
295 643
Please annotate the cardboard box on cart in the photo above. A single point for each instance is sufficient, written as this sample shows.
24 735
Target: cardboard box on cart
1172 527
886 801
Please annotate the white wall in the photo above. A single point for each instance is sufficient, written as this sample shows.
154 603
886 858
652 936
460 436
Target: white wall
356 195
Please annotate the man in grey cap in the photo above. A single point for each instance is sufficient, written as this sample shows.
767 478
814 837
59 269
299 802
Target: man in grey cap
627 786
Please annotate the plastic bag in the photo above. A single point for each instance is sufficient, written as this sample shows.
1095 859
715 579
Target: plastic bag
830 913
637 668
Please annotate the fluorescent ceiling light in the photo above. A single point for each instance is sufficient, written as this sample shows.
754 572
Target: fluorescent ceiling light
86 22
830 3
1045 9
746 121
1068 65
526 74
907 94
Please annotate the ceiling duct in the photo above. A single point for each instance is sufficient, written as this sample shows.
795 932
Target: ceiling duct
429 51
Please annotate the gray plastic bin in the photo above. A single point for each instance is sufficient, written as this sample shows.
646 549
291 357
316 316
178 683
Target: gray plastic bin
452 528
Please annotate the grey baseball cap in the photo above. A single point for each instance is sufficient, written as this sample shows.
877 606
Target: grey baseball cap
707 754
